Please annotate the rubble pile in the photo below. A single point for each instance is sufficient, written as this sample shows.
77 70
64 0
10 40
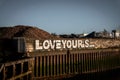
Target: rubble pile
24 31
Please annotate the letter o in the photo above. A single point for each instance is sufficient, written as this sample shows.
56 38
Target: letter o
69 44
46 44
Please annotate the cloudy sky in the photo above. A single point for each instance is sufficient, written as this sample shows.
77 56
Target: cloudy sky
62 16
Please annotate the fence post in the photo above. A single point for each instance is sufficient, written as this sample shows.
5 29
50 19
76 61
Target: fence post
68 67
4 73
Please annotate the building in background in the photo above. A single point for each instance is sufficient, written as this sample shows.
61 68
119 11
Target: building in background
102 34
116 33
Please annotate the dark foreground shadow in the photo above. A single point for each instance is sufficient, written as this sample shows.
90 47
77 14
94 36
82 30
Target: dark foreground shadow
106 75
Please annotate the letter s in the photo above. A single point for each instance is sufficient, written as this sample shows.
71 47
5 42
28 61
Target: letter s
87 43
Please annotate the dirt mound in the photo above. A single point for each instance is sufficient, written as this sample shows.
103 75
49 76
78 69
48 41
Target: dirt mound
24 31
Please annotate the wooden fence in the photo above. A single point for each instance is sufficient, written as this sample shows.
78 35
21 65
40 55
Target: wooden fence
17 70
66 64
60 64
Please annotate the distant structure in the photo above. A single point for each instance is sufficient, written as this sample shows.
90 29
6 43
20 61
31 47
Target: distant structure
102 34
73 35
83 35
116 33
94 34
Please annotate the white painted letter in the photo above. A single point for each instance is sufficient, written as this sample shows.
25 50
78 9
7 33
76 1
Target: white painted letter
52 44
46 44
37 45
64 43
58 44
74 43
87 43
69 44
80 44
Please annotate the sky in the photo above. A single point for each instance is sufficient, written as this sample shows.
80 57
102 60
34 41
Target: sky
62 16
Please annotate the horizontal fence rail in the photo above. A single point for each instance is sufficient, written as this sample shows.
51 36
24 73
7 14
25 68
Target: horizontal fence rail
63 64
17 70
66 64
